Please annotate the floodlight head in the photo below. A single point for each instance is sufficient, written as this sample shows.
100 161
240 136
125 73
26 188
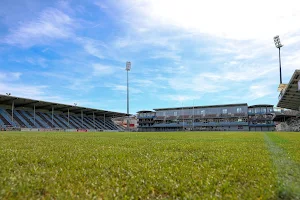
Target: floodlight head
75 104
8 94
128 66
277 42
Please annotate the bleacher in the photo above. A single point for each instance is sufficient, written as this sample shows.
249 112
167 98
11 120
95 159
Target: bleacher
292 124
44 120
289 98
14 113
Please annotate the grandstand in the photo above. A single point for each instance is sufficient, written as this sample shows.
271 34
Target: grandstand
22 113
230 117
289 98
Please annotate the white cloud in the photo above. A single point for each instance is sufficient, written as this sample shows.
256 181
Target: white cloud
103 70
51 24
23 90
123 88
196 83
10 76
179 98
232 19
92 47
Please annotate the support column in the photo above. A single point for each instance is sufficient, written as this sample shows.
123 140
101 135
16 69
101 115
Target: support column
52 116
34 114
69 117
12 111
94 120
104 120
81 119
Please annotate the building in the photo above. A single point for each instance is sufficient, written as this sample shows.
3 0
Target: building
122 122
17 112
146 120
261 118
230 117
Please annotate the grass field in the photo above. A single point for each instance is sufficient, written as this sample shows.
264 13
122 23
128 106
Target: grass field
182 165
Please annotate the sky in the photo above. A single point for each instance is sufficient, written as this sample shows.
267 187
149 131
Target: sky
189 52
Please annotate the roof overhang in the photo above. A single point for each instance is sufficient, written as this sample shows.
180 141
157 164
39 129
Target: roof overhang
290 96
209 106
20 102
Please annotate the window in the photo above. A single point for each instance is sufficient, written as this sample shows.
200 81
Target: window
264 110
271 110
175 113
202 112
224 111
239 110
257 110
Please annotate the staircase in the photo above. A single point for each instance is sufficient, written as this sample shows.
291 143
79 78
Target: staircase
19 119
73 124
38 121
27 122
7 117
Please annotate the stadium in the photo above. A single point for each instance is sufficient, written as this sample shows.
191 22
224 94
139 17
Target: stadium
18 113
164 135
127 137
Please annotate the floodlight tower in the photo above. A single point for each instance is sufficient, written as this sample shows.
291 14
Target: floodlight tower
278 45
128 67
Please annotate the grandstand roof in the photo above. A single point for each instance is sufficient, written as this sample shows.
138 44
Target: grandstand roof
145 111
290 96
261 105
20 102
210 106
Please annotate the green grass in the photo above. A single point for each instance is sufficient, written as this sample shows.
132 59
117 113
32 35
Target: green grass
182 165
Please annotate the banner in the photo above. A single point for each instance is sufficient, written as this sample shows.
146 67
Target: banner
81 130
71 130
29 129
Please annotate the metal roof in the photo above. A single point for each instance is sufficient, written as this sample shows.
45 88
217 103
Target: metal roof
209 106
290 96
261 105
145 111
20 102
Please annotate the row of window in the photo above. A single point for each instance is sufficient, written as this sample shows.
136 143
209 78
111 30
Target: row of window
198 112
206 111
261 110
150 114
205 120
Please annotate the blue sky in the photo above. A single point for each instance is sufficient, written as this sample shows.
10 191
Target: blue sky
206 52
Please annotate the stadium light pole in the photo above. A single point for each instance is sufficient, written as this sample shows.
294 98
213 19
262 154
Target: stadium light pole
278 45
128 67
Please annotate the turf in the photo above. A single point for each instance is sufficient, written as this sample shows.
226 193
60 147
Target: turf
181 165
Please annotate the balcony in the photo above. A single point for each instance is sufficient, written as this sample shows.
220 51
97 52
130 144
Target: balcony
146 117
